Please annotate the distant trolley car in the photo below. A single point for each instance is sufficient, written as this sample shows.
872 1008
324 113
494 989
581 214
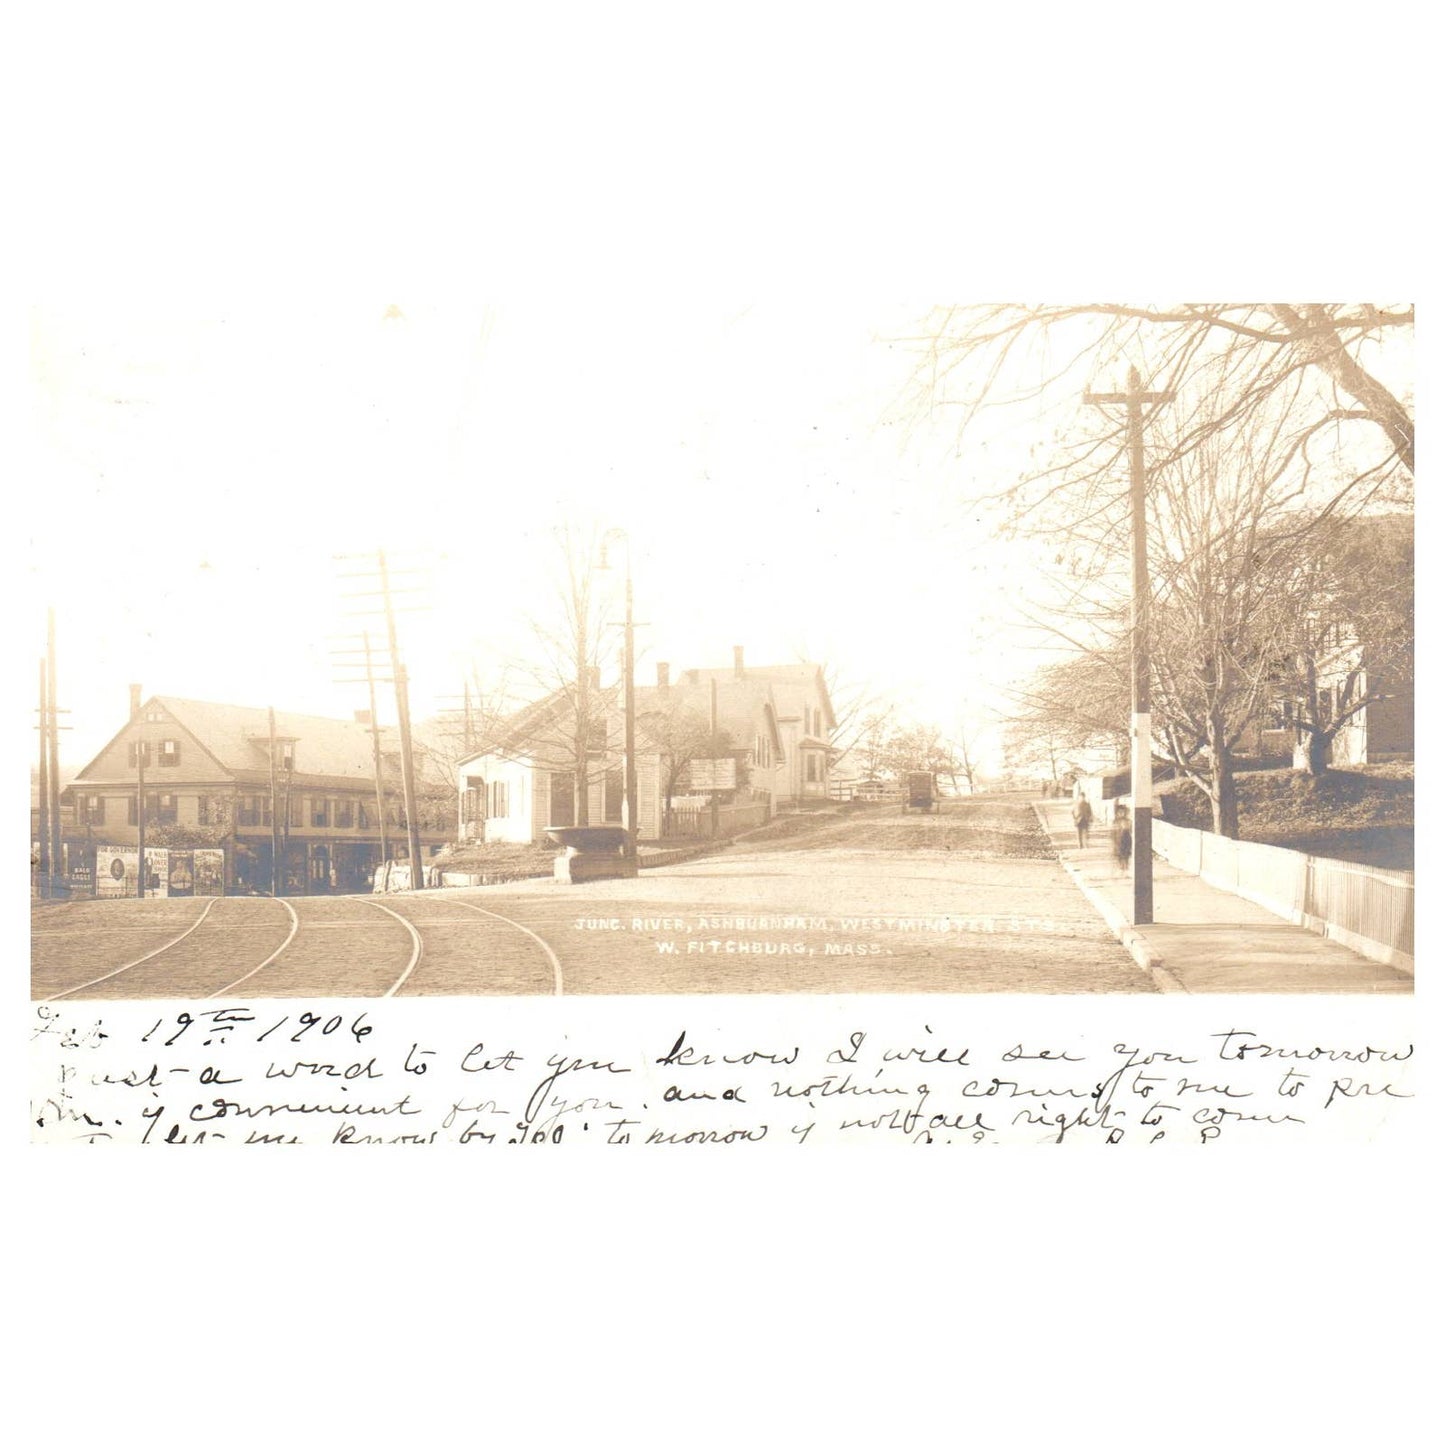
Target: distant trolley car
919 792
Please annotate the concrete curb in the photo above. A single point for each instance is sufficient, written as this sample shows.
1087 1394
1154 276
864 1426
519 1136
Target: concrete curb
1135 943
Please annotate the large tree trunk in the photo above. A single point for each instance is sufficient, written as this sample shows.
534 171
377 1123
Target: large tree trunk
1223 795
1317 753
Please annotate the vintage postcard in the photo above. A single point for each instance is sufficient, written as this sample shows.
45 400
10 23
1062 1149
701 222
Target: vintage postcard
1032 652
825 855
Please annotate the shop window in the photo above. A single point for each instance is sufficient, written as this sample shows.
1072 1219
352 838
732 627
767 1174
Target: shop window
211 809
251 810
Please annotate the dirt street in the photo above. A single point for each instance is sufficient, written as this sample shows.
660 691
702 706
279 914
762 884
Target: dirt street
863 900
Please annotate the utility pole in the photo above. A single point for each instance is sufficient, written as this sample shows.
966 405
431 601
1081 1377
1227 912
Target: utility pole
53 748
1141 755
712 747
275 814
629 696
42 832
403 709
142 747
375 747
629 708
365 653
582 743
403 722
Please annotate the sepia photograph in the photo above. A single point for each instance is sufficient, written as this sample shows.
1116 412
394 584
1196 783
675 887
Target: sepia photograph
851 838
392 650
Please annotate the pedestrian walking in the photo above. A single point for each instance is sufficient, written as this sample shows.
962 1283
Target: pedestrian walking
1123 836
1083 816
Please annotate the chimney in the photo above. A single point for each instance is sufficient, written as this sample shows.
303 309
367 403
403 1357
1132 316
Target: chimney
134 701
738 664
663 675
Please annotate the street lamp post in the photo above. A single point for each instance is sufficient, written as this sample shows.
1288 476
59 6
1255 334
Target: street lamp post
629 699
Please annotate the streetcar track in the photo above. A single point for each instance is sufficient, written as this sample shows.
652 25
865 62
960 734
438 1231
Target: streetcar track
271 957
416 945
144 958
521 927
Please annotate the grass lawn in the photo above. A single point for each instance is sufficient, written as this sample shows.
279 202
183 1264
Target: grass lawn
1361 815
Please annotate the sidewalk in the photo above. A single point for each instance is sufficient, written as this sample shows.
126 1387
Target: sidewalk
1204 940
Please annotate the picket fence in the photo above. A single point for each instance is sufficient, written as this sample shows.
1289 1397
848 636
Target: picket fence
1371 910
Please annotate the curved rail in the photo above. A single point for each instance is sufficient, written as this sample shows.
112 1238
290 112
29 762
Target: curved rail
271 957
522 927
415 945
144 958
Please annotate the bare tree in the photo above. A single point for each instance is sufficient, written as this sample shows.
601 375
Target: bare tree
679 733
964 752
1324 364
857 713
1076 704
868 742
1229 546
564 730
920 748
1279 428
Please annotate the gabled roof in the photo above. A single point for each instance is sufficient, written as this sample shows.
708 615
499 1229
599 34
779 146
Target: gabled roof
541 726
237 737
778 685
767 694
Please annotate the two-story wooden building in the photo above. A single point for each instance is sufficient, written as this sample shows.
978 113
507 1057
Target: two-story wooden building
780 721
209 776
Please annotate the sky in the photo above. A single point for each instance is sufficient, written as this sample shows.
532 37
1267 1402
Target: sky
778 489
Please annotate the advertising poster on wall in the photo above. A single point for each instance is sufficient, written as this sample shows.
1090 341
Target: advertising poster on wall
181 874
209 865
115 872
157 866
